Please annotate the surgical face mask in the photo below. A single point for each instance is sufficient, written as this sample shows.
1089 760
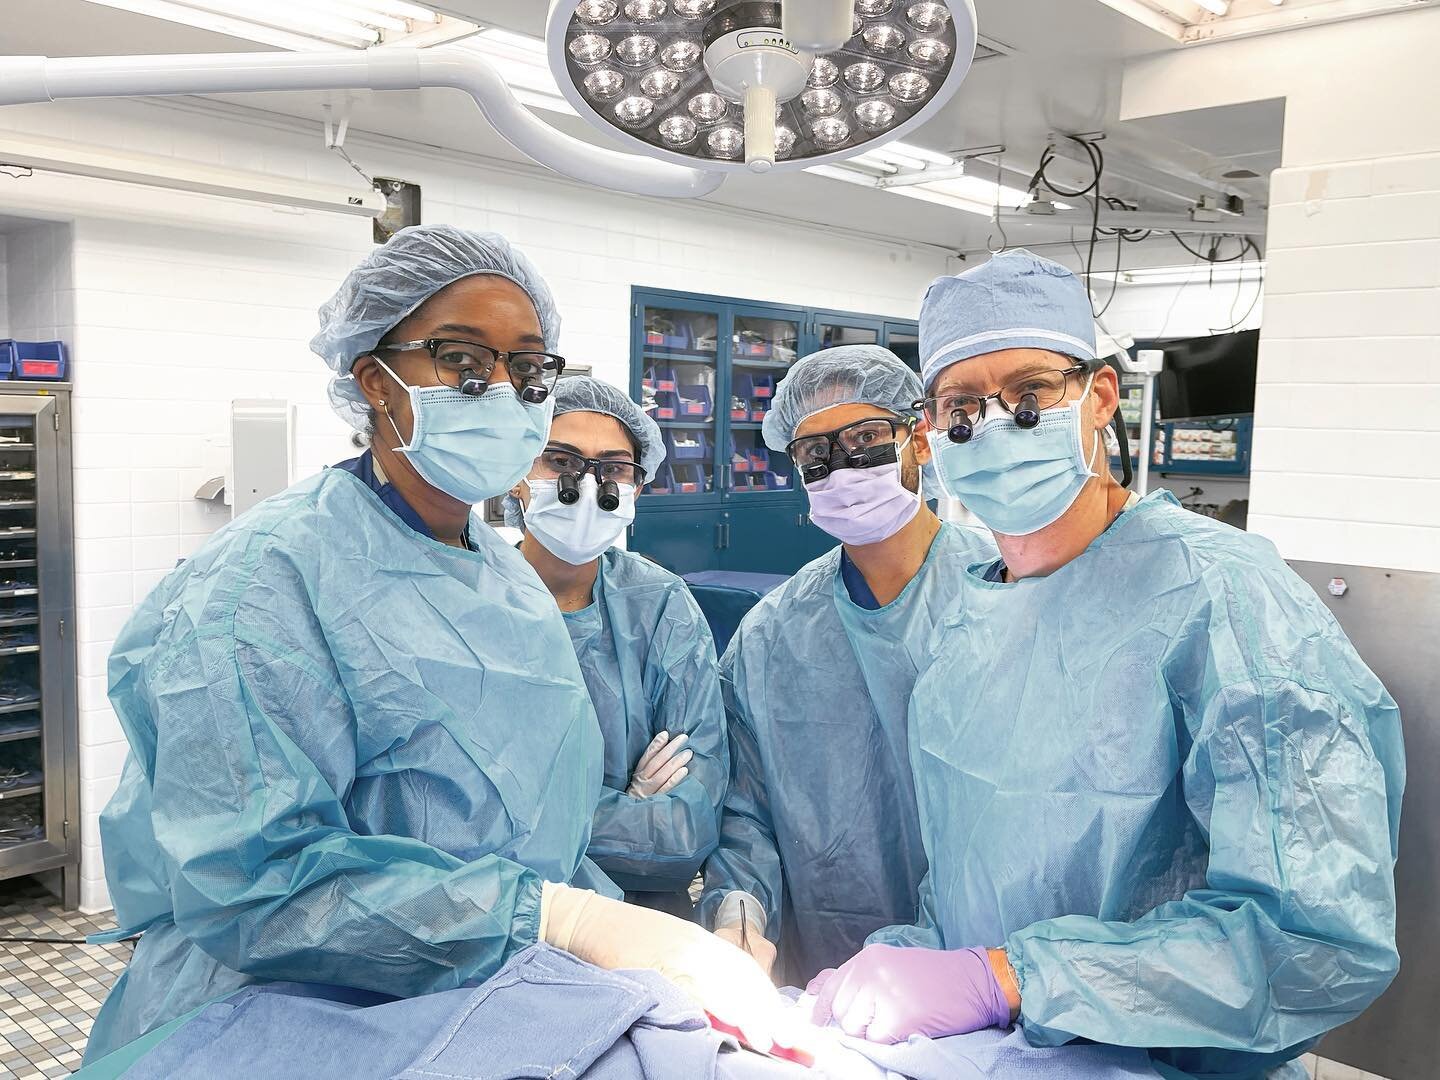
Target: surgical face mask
472 448
863 506
1018 480
581 531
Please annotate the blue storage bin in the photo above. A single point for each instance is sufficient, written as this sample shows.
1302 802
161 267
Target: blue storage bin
739 459
39 360
688 445
695 401
689 479
667 405
664 379
776 482
759 459
7 359
762 386
663 483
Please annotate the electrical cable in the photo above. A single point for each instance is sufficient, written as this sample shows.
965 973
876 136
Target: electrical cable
1250 245
44 940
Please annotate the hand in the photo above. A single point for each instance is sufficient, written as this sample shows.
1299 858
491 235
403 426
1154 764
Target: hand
723 980
661 767
747 940
886 994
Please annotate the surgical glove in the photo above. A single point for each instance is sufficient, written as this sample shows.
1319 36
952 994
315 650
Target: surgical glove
661 767
740 920
886 994
720 978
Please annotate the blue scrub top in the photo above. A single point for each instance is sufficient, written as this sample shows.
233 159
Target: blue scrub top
861 595
363 468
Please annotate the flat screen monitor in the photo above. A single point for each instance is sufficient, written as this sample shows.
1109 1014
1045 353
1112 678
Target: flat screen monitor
1207 376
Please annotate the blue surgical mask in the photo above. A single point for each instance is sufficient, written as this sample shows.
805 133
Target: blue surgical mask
472 448
1019 480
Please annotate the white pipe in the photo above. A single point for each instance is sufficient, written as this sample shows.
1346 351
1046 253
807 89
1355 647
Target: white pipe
29 79
1147 434
1120 219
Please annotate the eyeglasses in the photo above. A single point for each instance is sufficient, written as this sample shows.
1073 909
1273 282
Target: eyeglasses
468 366
861 445
1025 399
554 463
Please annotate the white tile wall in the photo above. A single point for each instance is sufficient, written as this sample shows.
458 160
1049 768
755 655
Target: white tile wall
1348 408
183 303
39 291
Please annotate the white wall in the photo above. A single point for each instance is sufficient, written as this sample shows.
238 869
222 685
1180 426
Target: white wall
184 302
38 289
1347 443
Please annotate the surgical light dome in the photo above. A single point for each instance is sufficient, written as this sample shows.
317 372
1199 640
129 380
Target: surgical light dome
697 82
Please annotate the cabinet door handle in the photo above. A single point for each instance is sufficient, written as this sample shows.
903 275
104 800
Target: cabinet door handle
719 537
725 533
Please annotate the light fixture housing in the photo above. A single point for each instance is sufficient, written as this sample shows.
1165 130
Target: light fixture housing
740 53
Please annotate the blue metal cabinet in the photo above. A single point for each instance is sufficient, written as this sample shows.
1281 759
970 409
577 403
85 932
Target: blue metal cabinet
710 366
683 541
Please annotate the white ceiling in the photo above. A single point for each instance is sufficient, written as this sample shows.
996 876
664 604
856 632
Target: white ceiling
1062 74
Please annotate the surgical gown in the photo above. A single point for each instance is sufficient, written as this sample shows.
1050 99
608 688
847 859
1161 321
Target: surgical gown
820 823
1163 778
355 753
649 661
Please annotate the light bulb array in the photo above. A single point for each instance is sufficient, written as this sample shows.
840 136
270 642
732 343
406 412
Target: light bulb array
640 67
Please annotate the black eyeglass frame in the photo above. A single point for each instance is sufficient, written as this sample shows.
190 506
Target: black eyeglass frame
473 383
841 458
1025 417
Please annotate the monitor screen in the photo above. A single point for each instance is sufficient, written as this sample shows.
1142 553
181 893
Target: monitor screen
1207 376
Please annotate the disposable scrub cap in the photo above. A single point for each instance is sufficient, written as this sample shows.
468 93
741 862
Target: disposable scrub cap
395 279
845 375
1017 300
584 394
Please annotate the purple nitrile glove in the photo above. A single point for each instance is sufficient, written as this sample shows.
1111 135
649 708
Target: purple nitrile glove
886 994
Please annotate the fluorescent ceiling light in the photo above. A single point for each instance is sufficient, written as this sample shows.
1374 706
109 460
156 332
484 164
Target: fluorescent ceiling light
1193 22
929 157
1187 275
971 194
524 65
300 25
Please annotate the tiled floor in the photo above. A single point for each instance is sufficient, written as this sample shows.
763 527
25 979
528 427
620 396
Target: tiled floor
49 994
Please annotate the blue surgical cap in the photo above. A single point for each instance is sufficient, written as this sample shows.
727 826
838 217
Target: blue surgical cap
584 394
1017 300
395 279
845 375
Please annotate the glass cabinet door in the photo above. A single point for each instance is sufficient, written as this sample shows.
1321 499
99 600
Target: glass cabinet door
680 359
763 346
903 339
22 753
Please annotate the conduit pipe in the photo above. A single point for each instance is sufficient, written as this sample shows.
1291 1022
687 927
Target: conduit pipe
32 79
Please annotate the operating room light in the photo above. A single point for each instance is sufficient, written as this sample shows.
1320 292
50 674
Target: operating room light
691 89
725 66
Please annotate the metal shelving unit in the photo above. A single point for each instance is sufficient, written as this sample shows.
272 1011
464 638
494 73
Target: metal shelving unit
39 734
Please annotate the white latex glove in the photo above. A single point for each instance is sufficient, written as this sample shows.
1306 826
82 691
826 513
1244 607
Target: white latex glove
721 979
741 921
661 767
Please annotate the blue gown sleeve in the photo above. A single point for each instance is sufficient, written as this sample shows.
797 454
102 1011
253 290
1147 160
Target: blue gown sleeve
253 745
1295 781
659 844
747 859
924 934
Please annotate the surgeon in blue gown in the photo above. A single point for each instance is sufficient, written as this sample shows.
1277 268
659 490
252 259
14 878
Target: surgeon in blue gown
642 642
362 751
1159 791
820 841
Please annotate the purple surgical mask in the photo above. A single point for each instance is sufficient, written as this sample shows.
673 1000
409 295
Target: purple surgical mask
863 506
